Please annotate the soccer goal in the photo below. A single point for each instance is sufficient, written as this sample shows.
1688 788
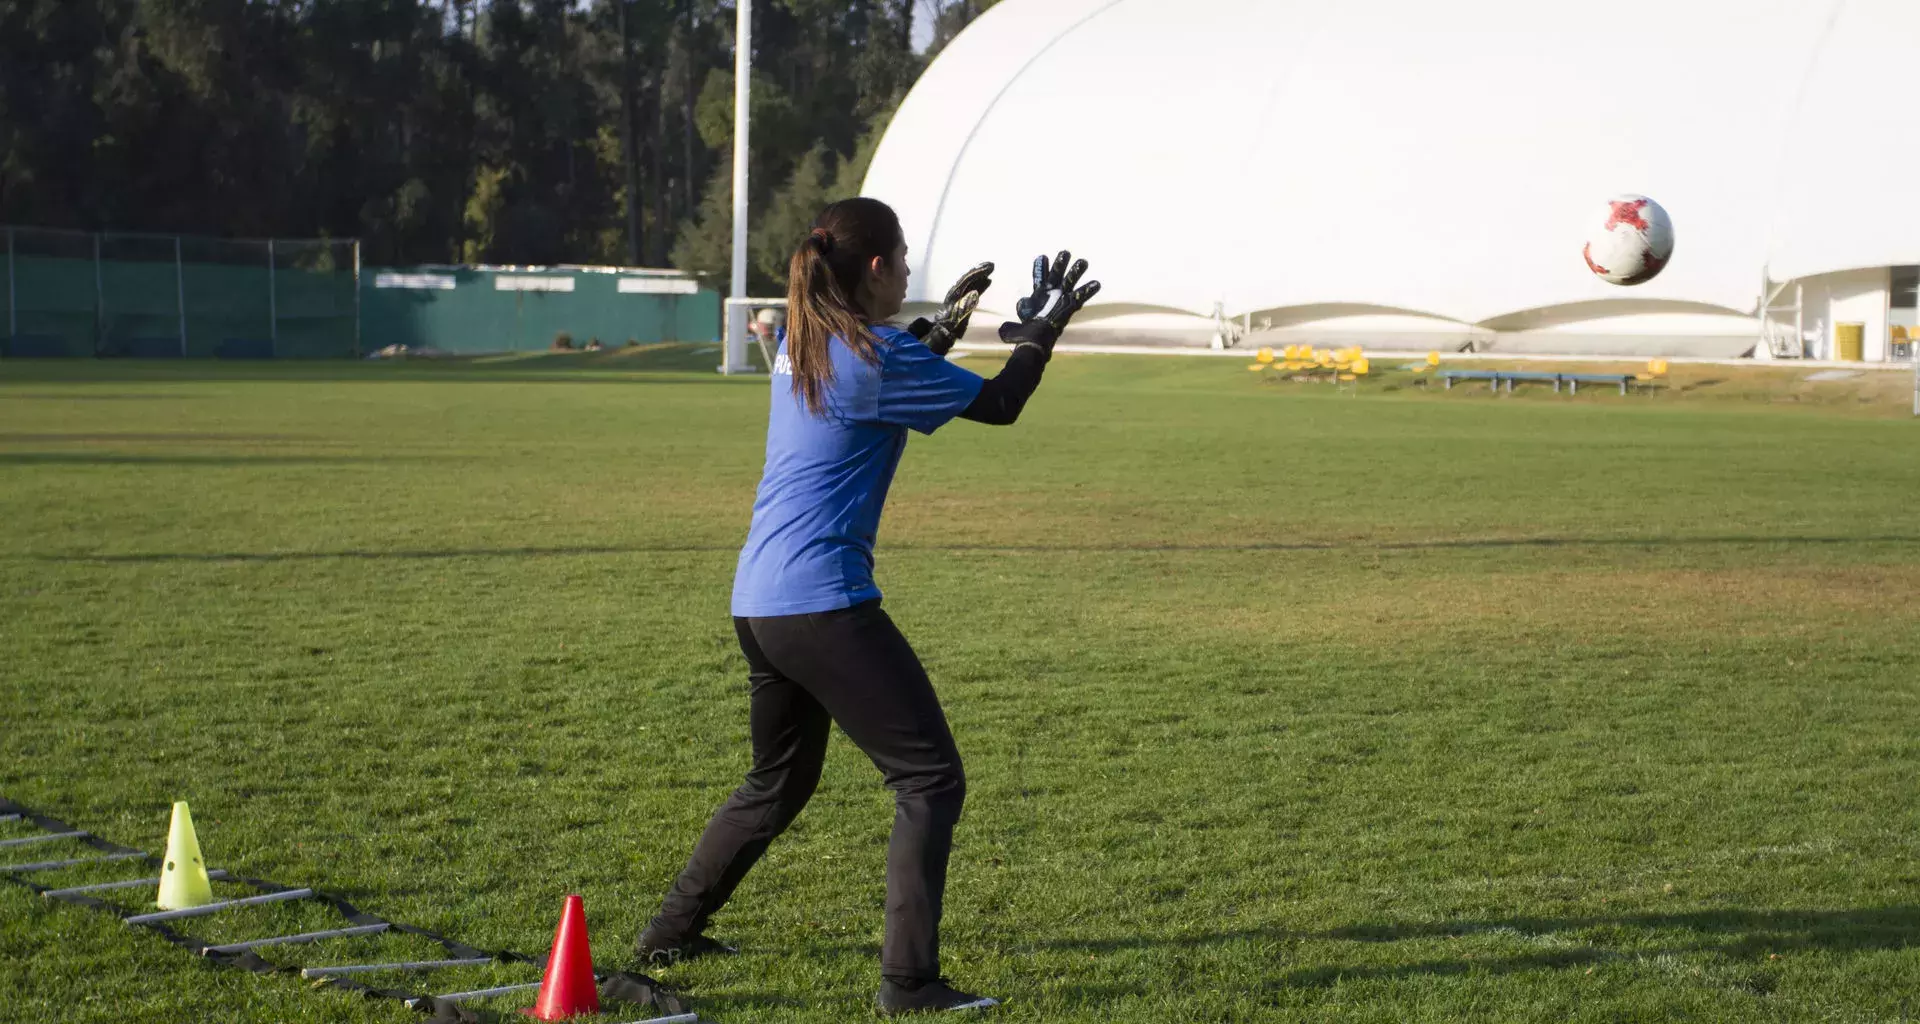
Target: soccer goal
758 319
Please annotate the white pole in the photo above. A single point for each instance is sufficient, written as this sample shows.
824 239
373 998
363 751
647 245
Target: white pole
1886 319
734 350
487 993
214 908
1800 320
404 965
180 293
289 940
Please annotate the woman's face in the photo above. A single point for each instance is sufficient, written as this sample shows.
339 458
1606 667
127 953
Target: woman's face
884 289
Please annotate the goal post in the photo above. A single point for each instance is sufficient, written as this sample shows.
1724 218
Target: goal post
746 314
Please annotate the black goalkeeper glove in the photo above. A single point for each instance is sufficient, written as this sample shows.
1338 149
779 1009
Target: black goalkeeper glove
1057 296
950 321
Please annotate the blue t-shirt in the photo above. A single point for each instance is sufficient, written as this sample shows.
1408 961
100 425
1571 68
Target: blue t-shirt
810 548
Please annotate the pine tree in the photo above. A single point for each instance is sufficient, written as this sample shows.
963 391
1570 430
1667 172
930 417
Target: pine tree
441 130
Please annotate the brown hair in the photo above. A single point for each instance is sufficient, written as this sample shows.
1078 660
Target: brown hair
823 287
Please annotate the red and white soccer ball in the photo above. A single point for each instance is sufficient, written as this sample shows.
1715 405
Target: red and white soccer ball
1631 241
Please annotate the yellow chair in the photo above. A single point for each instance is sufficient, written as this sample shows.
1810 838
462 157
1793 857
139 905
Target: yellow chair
1256 367
1433 359
1265 356
1351 370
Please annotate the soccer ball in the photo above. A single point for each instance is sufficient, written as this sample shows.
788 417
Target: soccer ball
1631 241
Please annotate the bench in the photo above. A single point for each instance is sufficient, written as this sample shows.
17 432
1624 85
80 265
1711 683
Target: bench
1452 375
1495 378
1507 377
1574 380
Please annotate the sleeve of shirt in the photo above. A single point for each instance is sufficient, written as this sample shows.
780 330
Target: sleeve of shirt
918 389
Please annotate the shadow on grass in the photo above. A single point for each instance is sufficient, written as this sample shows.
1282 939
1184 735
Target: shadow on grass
162 437
1747 932
323 556
458 375
669 362
678 549
746 1005
1741 935
122 459
1470 544
1327 977
89 396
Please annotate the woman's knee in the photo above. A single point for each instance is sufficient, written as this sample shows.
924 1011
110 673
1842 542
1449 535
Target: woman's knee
943 786
786 786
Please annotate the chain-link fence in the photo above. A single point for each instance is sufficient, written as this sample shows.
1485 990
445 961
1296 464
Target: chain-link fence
170 296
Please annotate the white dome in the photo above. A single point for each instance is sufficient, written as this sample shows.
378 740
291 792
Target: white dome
1410 157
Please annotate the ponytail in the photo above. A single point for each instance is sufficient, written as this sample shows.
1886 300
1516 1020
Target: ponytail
823 280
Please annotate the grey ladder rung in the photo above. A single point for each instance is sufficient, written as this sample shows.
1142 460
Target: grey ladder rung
49 865
286 940
48 838
403 965
132 883
215 908
483 993
9 817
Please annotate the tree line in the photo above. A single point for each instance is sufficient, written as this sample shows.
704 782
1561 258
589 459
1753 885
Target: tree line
439 131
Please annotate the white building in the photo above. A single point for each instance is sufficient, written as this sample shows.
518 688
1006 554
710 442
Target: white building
1417 172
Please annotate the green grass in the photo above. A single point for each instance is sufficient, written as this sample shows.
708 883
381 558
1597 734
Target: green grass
1277 704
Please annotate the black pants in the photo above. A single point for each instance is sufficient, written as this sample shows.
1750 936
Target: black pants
852 667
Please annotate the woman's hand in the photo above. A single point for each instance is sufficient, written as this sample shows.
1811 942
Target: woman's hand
1057 296
950 321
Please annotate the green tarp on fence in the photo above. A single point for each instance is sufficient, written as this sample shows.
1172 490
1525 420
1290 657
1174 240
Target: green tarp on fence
467 309
156 297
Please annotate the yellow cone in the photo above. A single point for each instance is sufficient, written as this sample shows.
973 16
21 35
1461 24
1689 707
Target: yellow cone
183 880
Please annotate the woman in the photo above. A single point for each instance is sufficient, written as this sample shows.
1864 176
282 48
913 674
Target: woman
847 387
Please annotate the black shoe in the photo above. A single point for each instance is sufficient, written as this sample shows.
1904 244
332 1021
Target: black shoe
929 997
662 953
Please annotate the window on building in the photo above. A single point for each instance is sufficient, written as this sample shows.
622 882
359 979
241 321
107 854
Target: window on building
1906 288
1903 312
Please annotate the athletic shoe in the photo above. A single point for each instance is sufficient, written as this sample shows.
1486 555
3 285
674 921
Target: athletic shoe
666 954
930 997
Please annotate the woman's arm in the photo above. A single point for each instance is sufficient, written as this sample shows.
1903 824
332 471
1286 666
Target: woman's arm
1001 398
1057 295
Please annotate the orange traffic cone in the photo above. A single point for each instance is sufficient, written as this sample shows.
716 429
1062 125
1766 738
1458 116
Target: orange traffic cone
567 988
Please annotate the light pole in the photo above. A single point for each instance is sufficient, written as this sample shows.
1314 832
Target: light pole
734 349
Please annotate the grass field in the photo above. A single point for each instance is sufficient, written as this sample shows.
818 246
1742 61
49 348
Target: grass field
1277 704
